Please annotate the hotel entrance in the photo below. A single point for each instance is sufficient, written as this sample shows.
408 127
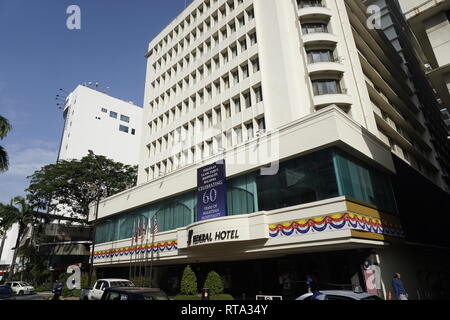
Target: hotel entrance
282 276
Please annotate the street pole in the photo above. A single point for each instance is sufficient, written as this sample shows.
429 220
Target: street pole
94 231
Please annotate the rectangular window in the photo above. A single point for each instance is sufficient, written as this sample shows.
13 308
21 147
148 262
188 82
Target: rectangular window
258 94
322 87
124 118
248 100
123 128
237 105
104 110
113 114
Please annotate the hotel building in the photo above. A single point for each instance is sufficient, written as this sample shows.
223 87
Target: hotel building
307 105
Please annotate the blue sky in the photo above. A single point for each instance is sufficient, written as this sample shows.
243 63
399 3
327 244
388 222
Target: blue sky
39 55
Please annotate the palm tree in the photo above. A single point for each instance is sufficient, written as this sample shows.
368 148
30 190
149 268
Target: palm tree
5 127
17 212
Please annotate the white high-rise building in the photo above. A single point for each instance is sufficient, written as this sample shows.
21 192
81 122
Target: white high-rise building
106 125
306 104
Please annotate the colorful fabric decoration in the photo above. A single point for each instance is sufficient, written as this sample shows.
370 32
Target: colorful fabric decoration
158 246
344 221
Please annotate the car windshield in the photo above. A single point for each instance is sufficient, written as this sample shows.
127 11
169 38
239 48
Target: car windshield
24 284
122 284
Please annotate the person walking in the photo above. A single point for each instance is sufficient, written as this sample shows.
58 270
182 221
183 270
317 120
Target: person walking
398 287
57 291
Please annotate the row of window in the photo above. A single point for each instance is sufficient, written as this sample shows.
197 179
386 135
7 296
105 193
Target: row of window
126 129
203 122
206 69
215 145
114 115
207 44
211 90
212 20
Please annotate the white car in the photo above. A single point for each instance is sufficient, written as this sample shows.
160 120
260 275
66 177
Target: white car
20 288
99 287
341 295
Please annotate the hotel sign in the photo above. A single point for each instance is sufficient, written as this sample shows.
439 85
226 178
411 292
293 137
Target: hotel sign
209 237
211 192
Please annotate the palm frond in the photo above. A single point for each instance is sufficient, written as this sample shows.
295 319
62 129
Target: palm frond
5 127
4 160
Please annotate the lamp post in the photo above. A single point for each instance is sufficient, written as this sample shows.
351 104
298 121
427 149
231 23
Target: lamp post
94 228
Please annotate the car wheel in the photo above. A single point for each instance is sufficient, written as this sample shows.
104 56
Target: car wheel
21 293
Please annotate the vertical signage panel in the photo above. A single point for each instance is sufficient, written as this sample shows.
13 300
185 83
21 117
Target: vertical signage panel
211 191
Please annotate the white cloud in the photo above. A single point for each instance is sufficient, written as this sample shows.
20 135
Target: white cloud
25 159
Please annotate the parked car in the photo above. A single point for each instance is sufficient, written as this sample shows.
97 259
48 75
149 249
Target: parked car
342 295
96 292
136 293
20 287
6 293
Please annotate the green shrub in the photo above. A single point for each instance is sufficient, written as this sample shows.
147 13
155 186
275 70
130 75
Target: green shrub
214 284
222 297
43 289
189 282
181 297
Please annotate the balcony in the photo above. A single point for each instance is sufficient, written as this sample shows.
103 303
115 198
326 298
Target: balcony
314 13
326 68
342 100
320 38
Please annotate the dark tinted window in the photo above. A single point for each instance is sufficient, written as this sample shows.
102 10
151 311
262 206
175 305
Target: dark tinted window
372 298
332 297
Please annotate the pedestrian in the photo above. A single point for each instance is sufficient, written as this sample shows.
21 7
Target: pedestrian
317 295
398 287
310 278
57 291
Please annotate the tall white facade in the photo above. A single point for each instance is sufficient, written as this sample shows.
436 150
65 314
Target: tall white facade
106 125
275 82
220 66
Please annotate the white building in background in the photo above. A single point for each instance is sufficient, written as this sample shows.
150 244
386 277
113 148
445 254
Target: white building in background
303 85
106 125
7 253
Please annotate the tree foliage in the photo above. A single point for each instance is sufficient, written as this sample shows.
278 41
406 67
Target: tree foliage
5 127
72 185
214 283
17 212
189 282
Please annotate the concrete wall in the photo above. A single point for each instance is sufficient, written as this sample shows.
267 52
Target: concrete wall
438 32
88 128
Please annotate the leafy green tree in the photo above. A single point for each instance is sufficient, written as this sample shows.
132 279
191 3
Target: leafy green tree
17 212
74 185
214 283
5 127
189 282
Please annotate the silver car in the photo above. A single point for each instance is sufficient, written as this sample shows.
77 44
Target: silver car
342 295
20 287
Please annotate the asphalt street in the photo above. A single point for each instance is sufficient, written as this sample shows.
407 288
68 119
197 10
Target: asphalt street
36 296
